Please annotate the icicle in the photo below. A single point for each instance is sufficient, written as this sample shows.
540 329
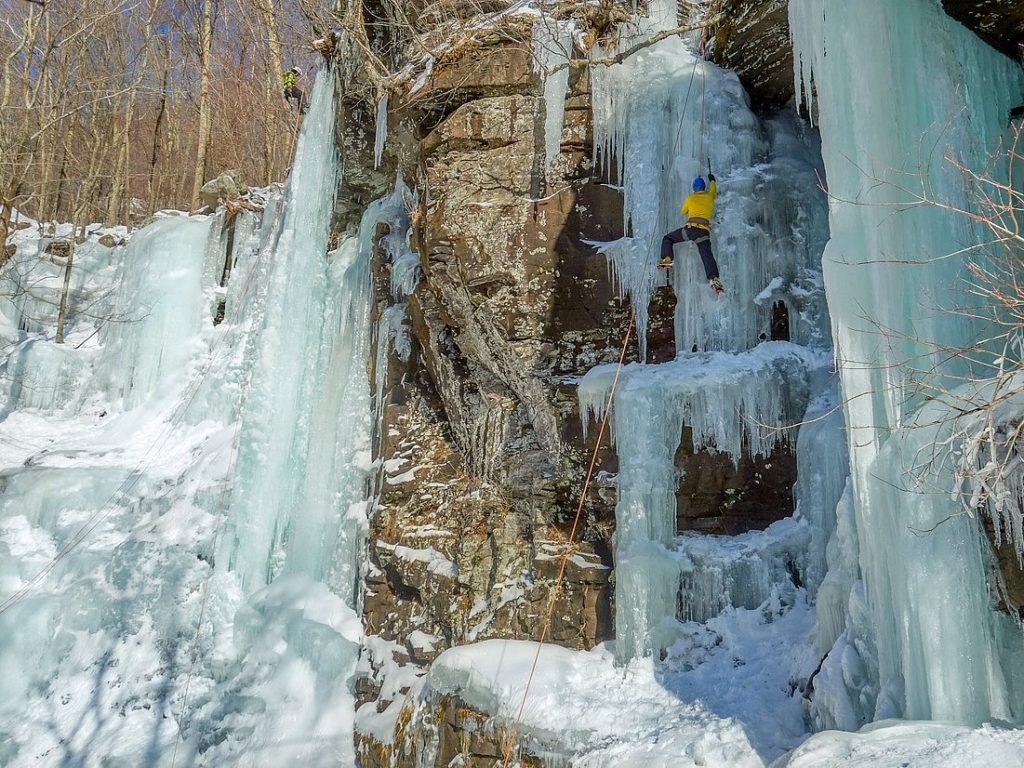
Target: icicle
737 571
391 334
552 49
381 136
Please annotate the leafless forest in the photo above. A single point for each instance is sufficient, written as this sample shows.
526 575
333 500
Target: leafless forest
111 109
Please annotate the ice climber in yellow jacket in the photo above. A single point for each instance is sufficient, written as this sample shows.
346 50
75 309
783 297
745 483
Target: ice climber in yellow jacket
697 209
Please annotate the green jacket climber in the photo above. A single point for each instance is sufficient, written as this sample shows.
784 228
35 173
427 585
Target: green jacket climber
292 92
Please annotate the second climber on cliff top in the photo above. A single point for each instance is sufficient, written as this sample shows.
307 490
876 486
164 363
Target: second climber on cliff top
292 92
697 208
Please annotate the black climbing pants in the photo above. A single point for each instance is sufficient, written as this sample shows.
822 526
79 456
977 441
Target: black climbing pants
294 93
697 235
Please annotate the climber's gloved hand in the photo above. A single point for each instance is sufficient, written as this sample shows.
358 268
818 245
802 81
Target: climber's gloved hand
711 177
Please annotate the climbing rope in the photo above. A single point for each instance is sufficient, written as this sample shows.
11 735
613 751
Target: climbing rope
703 124
571 547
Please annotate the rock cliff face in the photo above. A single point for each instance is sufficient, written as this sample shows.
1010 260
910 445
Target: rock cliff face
481 438
1000 23
480 420
753 39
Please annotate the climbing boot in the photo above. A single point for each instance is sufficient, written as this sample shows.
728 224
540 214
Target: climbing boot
716 285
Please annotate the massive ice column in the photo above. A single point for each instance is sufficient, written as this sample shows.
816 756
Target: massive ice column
288 555
661 117
906 99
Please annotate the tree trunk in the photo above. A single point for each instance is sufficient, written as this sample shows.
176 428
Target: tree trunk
205 36
274 100
5 226
62 312
120 177
155 156
62 177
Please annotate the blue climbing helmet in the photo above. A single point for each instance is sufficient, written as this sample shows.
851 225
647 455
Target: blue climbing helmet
699 185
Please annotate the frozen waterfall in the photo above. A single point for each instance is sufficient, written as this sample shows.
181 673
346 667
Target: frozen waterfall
906 99
180 538
660 117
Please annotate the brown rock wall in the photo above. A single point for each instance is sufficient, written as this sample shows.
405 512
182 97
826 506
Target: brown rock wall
1000 23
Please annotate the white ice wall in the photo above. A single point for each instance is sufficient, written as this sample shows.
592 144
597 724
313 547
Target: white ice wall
659 117
181 544
904 95
152 337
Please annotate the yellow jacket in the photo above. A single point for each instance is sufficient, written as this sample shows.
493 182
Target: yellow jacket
698 207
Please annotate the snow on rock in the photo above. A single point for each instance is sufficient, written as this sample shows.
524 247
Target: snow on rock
721 698
434 560
579 700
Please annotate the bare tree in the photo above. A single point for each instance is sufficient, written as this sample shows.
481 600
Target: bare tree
204 43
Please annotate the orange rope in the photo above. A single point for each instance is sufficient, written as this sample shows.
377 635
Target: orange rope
510 742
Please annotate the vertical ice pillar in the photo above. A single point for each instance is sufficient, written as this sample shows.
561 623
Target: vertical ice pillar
159 312
646 572
824 468
381 132
905 98
287 357
288 559
552 49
